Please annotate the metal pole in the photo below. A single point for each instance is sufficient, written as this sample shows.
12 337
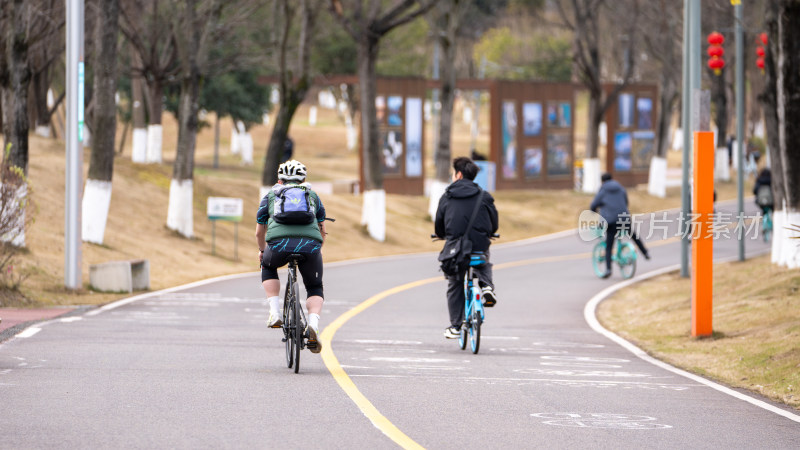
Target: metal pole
740 120
74 153
435 94
686 114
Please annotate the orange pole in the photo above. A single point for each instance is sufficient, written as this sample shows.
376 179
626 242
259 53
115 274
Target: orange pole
702 238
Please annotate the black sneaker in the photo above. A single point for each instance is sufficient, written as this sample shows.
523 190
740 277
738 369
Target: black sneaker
452 332
489 299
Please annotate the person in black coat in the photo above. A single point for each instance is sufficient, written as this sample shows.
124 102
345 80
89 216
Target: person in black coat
764 196
452 217
612 201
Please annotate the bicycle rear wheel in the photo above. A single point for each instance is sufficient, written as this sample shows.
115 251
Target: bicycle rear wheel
298 329
475 331
627 260
599 259
288 326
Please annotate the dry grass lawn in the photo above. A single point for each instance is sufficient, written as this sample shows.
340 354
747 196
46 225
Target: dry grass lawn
756 340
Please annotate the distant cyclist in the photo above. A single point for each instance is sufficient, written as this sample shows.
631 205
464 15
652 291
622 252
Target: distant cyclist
452 216
612 201
279 236
763 191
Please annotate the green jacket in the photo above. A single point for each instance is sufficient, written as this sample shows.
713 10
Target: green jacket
277 230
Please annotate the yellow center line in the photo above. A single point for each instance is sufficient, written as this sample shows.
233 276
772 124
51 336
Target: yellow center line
349 387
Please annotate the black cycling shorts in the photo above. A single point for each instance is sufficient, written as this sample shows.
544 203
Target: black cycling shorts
276 255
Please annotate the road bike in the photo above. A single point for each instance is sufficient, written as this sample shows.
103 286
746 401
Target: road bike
766 224
624 255
294 319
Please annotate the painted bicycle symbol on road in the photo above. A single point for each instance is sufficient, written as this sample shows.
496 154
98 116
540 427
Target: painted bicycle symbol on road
601 420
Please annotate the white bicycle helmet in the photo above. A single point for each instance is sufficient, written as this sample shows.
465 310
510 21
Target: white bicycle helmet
292 170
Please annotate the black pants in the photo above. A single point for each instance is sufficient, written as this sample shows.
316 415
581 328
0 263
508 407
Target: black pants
455 290
310 269
611 234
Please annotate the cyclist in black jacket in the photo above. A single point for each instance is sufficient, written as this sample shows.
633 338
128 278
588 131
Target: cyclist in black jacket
452 217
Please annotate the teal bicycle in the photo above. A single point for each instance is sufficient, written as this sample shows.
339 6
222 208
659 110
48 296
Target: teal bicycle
474 314
624 255
766 224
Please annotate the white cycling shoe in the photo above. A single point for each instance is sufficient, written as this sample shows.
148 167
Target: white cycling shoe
275 320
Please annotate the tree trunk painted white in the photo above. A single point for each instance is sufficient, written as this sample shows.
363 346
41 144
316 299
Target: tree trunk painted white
722 165
139 151
677 139
263 191
436 191
16 235
352 133
312 116
155 137
591 175
373 214
246 143
236 146
43 131
179 215
657 180
786 241
96 201
602 133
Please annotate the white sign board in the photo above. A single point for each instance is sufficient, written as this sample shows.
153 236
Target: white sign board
225 208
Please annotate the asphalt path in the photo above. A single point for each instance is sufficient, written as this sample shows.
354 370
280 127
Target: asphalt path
196 367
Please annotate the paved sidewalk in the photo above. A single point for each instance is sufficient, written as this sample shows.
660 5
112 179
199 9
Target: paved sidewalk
12 317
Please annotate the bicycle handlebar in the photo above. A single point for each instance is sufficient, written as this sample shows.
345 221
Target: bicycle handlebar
437 238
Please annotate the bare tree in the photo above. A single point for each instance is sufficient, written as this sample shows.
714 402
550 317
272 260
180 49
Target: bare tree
148 25
661 28
15 79
769 101
293 88
97 192
366 22
42 55
785 45
586 20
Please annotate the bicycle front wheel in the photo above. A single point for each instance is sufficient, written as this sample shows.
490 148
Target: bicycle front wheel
599 259
475 331
298 328
627 260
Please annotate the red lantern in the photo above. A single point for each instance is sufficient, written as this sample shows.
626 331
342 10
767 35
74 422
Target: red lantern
760 64
763 37
715 52
760 52
716 38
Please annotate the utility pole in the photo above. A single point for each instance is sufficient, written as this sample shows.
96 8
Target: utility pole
740 121
691 81
74 152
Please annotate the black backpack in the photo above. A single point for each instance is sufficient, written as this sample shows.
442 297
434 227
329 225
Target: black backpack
764 195
294 205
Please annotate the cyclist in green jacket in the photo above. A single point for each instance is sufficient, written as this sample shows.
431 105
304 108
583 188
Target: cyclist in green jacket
278 239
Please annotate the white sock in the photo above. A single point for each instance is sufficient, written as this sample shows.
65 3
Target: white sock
313 321
274 304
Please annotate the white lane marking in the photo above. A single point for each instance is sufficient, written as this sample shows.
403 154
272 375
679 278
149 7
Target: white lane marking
5 371
590 359
71 319
439 368
22 364
585 373
589 314
567 345
409 360
345 366
399 350
602 420
544 380
579 364
529 351
28 332
501 338
386 342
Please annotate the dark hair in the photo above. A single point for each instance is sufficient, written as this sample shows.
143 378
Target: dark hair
605 177
467 168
